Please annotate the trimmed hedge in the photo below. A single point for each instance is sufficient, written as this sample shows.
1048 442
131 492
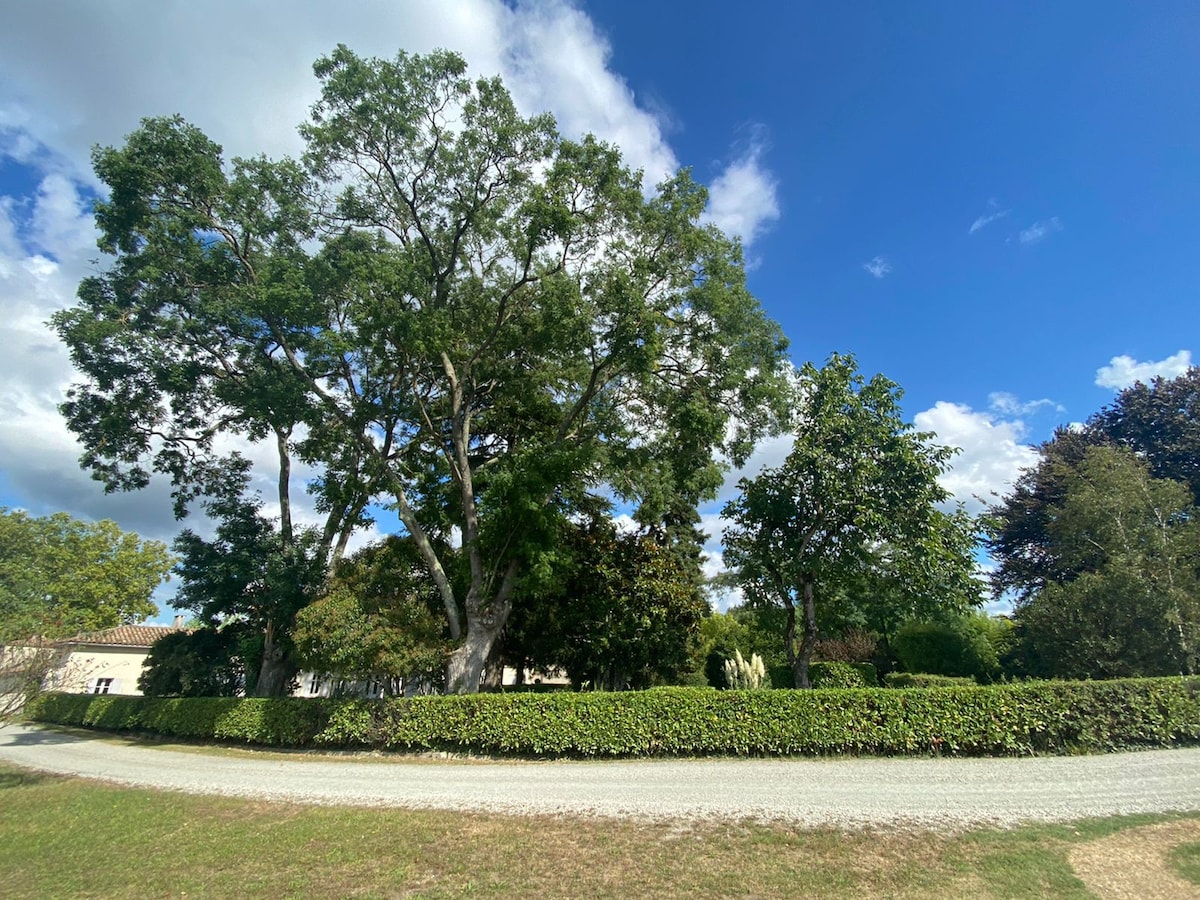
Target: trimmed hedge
1033 717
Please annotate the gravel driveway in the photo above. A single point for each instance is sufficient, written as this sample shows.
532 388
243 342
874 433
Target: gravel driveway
940 793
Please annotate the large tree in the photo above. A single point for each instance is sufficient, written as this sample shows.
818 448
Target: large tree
1158 421
61 576
449 308
858 495
252 571
1132 604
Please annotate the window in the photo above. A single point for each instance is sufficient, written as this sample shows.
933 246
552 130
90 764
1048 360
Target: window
102 686
314 685
374 688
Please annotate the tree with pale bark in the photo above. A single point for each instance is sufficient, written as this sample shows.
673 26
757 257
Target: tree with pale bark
445 307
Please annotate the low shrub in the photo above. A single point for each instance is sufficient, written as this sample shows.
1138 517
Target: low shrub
925 680
1035 717
842 675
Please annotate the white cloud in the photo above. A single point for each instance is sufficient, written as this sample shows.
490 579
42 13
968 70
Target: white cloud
986 220
1039 231
1124 371
72 76
878 266
1009 405
742 200
992 455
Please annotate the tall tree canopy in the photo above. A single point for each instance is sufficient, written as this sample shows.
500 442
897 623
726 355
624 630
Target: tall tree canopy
446 307
1159 422
858 494
1132 603
60 576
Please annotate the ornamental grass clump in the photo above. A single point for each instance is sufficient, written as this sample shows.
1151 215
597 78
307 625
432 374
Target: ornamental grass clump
743 675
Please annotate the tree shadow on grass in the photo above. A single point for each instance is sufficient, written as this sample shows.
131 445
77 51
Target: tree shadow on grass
16 778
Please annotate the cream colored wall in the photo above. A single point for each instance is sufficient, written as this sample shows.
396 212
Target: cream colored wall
86 664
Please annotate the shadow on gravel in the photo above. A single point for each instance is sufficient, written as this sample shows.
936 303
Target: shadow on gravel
11 738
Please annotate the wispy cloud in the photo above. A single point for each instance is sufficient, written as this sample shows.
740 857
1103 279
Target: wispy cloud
1009 405
1039 231
878 267
987 219
1124 371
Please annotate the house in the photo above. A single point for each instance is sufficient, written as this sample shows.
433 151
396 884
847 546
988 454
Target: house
106 662
110 662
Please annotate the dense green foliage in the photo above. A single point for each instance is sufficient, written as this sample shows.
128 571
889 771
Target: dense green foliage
618 610
256 572
1158 422
445 308
203 662
856 503
60 576
925 680
843 675
1042 717
966 646
377 619
1125 600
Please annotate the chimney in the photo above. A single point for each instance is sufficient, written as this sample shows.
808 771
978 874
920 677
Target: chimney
178 622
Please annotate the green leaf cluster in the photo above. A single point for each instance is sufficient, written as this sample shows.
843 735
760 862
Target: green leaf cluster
61 576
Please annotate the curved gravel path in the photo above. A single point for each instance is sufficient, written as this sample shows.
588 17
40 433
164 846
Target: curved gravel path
940 793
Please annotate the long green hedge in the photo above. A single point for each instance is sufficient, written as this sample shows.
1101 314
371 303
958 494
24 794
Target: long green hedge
1042 717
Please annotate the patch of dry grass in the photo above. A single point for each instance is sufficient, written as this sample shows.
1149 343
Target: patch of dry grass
65 837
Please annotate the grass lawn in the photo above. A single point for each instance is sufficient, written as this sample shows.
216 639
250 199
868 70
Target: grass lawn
65 837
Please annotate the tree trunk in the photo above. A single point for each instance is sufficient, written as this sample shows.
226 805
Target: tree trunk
808 640
464 670
276 671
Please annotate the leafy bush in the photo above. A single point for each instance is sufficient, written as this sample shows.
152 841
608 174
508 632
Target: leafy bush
1035 717
842 675
200 663
924 680
962 648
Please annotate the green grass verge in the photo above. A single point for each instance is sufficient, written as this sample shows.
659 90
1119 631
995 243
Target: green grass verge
63 837
1185 860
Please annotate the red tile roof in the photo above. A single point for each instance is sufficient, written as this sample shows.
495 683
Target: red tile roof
126 635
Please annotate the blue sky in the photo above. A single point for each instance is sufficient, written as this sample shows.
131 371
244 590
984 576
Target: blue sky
995 205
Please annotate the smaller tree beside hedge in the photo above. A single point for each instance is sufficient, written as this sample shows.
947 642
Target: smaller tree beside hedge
201 663
962 648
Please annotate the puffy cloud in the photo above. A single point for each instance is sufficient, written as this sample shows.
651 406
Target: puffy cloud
742 200
878 266
991 454
1124 371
